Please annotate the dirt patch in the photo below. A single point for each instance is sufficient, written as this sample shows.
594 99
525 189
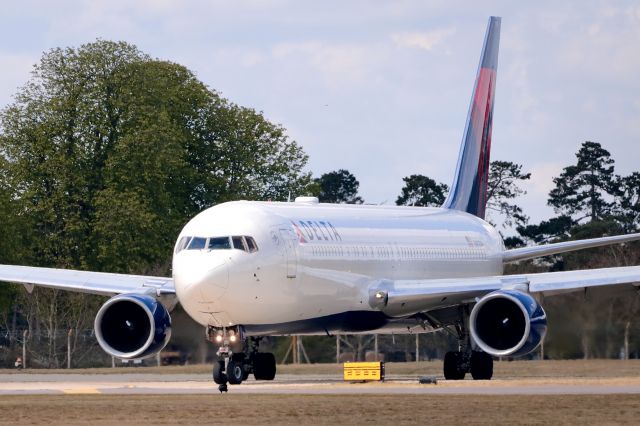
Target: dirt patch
319 409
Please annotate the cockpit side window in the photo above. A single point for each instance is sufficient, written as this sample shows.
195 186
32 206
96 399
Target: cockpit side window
219 243
182 244
238 243
251 244
197 243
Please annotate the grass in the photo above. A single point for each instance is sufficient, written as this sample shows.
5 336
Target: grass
319 409
396 409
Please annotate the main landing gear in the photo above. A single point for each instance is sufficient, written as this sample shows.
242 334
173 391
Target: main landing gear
465 360
458 364
238 357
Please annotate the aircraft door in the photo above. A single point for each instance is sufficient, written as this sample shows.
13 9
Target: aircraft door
290 241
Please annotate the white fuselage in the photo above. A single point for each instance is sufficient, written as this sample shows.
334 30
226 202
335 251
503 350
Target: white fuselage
316 261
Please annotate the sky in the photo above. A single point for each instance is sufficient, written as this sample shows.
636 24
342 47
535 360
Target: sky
381 88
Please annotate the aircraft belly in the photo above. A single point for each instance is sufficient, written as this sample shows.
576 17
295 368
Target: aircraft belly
324 293
272 298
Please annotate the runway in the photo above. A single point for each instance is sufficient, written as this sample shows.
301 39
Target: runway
198 384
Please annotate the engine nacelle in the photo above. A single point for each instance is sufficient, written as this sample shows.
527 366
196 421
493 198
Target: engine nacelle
131 326
508 323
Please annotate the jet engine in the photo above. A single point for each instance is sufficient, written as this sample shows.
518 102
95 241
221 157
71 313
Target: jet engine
130 326
508 323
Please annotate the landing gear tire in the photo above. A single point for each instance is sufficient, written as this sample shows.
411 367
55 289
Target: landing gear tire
453 366
235 372
264 366
219 375
481 366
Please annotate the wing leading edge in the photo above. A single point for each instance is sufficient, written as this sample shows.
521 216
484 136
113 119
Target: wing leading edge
524 253
101 283
407 297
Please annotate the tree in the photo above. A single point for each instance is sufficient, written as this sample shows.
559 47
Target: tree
628 202
556 228
14 226
420 190
339 186
581 189
253 157
105 154
109 152
502 187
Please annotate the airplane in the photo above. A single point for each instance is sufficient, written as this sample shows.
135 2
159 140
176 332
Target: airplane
247 269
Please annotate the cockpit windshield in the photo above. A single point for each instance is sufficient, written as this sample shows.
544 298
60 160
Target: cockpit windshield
219 243
238 242
197 243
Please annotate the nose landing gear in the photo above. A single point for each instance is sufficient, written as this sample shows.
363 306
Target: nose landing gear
238 357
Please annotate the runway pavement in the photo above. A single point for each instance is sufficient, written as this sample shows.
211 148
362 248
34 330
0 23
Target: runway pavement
141 384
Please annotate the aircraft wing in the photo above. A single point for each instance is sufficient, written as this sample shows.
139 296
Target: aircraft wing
523 253
406 297
86 282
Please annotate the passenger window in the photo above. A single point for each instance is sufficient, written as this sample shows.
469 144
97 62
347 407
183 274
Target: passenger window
184 241
238 243
197 243
251 244
219 243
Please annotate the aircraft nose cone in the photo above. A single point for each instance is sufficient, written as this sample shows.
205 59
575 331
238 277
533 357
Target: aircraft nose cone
200 278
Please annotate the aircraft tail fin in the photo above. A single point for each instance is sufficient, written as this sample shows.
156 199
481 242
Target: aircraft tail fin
469 188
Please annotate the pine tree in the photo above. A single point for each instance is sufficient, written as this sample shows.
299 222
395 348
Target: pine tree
582 190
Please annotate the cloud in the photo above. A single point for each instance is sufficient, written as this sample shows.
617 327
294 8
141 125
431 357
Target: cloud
339 64
15 73
422 40
542 174
351 81
246 57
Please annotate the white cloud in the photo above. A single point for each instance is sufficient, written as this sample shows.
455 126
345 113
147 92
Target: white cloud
422 40
542 174
246 57
633 12
15 73
368 88
339 64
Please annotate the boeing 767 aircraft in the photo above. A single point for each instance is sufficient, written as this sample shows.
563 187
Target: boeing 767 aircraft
247 269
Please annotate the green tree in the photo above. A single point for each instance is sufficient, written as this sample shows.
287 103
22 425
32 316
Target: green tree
14 227
549 231
628 202
254 158
110 152
339 186
582 189
104 155
556 228
502 188
420 190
